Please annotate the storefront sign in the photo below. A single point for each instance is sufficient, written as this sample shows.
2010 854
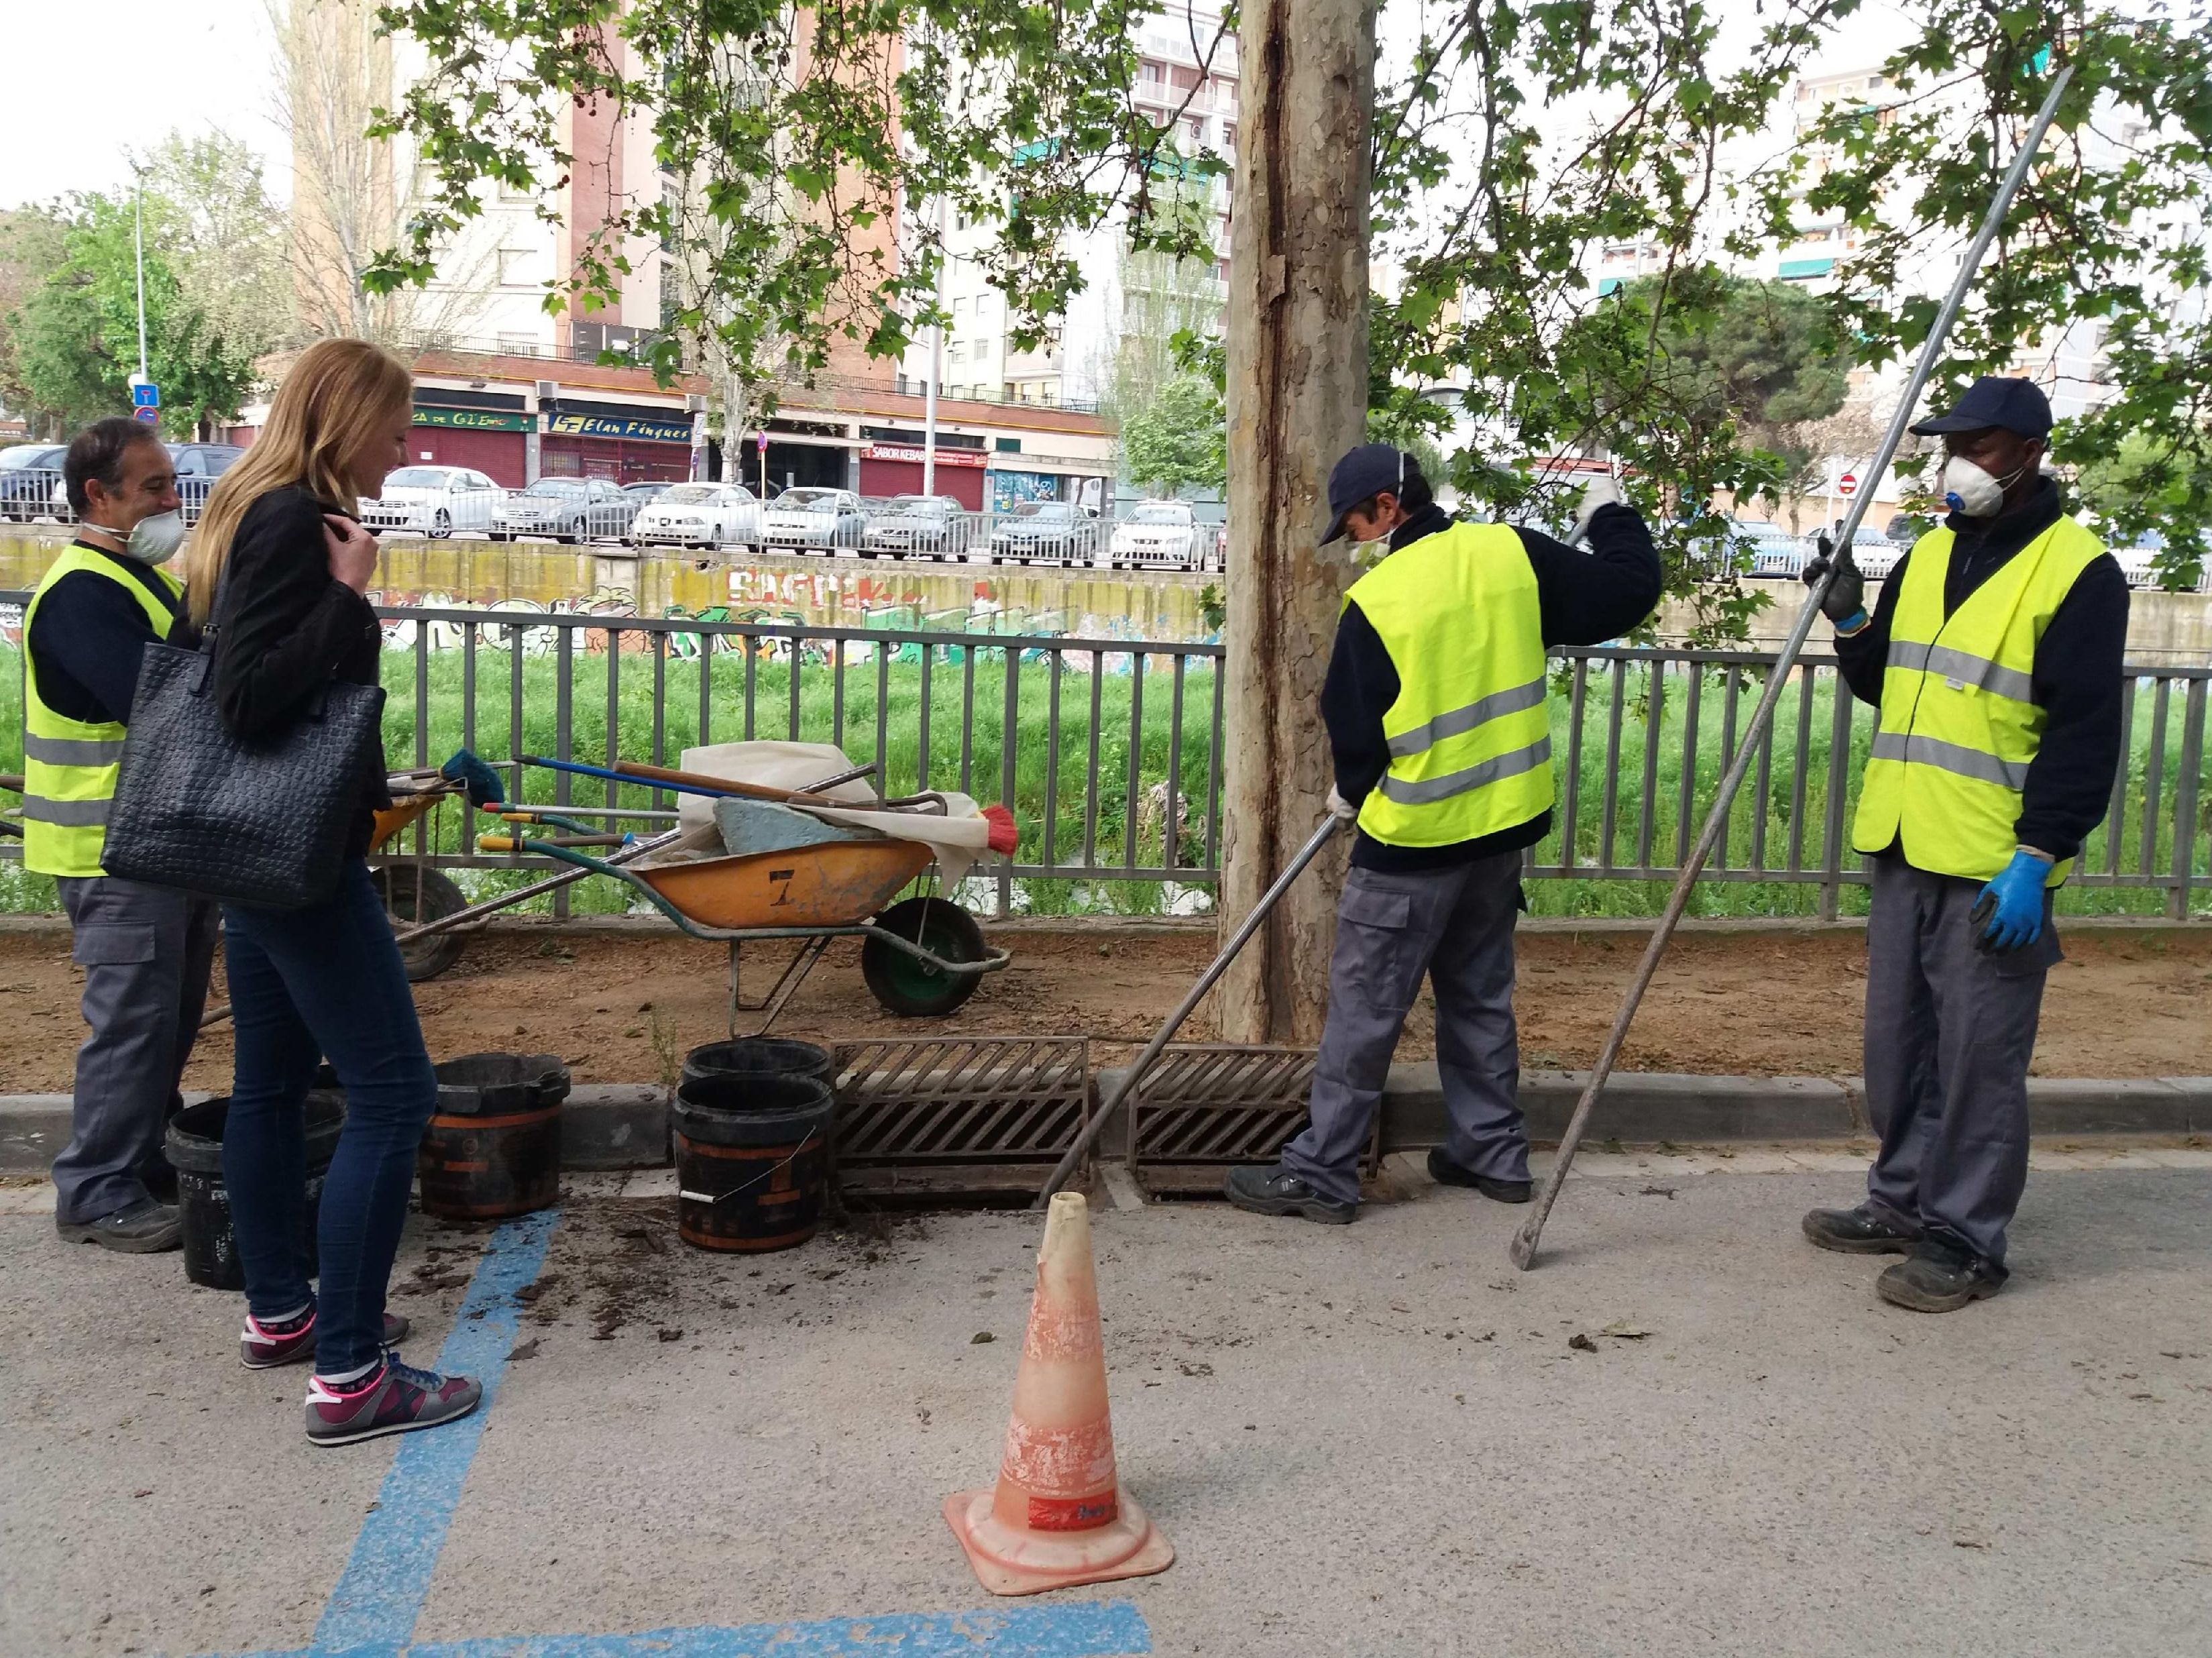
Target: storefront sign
671 428
919 457
473 420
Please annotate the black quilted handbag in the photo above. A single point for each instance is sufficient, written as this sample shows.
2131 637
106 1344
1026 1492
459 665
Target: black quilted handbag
261 824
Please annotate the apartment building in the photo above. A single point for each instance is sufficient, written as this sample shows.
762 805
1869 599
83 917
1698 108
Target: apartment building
1186 82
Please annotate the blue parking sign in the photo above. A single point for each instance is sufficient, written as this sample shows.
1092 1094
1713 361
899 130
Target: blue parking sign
145 395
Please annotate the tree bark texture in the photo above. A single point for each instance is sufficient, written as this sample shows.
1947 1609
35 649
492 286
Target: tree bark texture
1297 401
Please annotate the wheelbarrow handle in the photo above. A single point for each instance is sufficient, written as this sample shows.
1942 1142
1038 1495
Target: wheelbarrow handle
1127 1088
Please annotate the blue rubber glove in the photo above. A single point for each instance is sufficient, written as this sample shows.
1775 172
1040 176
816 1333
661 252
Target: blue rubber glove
2017 894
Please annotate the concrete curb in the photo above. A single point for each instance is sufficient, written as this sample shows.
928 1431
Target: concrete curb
1646 1107
614 1126
602 1126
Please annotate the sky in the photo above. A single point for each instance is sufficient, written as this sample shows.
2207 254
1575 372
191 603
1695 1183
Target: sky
159 66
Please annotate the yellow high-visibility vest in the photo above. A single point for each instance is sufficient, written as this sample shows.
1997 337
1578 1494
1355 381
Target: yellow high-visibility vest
69 765
1470 735
1958 726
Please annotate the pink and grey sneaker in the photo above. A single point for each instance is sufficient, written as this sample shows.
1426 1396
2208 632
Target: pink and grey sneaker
393 1398
263 1346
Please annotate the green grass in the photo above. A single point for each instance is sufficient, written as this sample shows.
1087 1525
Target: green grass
751 697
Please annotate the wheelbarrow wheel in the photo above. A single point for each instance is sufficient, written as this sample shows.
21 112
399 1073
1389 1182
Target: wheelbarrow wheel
412 896
913 989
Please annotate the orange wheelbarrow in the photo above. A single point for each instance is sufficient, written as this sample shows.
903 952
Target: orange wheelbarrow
922 957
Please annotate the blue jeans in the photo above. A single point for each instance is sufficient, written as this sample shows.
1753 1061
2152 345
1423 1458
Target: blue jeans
304 984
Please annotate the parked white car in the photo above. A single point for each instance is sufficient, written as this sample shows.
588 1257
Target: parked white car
1162 533
813 518
699 515
432 500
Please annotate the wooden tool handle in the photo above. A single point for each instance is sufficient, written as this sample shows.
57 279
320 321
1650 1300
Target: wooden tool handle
721 785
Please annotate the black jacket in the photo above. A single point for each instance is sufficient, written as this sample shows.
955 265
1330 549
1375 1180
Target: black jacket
89 635
1585 598
2077 676
287 629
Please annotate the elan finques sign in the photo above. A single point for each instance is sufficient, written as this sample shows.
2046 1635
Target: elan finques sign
674 429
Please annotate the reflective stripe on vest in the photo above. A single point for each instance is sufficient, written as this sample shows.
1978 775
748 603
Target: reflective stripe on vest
1469 736
70 765
1959 727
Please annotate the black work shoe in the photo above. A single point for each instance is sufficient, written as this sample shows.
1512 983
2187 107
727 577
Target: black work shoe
1860 1231
143 1228
1445 1172
1277 1191
1937 1279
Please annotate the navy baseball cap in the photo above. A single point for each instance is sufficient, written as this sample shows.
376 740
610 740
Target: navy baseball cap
2017 405
1364 474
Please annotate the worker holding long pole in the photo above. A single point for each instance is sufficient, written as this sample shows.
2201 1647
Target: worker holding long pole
1995 656
1439 725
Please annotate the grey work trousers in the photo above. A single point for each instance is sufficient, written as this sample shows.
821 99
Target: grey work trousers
1949 1032
1455 925
146 952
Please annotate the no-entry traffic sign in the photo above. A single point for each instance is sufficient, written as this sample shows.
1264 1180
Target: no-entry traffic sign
1848 484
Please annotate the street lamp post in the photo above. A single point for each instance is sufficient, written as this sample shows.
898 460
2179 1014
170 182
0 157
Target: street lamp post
138 251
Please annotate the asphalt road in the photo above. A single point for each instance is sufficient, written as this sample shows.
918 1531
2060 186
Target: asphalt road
1364 1441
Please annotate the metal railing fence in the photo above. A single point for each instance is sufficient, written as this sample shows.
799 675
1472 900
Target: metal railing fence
1642 736
1110 751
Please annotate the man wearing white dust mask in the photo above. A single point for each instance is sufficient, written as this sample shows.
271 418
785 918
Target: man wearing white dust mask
1995 656
145 951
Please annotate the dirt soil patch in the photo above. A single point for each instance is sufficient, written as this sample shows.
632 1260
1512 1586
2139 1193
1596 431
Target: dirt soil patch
624 1007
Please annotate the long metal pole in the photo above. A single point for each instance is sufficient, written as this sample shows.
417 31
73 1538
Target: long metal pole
1165 1034
138 249
936 366
1525 1240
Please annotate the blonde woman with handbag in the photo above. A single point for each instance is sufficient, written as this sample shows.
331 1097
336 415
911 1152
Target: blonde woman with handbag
280 568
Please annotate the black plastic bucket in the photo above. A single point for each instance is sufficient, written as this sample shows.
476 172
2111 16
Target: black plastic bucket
493 1146
193 1145
752 1160
756 1056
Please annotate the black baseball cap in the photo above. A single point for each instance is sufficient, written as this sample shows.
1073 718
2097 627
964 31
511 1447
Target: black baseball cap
2016 405
1364 474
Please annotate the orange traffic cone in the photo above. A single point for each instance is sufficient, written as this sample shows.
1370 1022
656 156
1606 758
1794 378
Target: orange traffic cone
1058 1517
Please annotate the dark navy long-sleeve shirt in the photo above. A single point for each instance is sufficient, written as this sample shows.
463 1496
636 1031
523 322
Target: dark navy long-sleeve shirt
2076 680
1584 598
89 633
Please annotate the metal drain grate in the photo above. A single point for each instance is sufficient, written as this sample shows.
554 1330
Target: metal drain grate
974 1115
1204 1106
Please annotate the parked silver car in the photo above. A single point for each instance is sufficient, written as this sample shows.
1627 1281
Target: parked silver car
1774 551
930 526
1048 532
566 510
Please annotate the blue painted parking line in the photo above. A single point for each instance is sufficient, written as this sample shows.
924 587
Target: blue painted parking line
387 1576
373 1611
1093 1629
